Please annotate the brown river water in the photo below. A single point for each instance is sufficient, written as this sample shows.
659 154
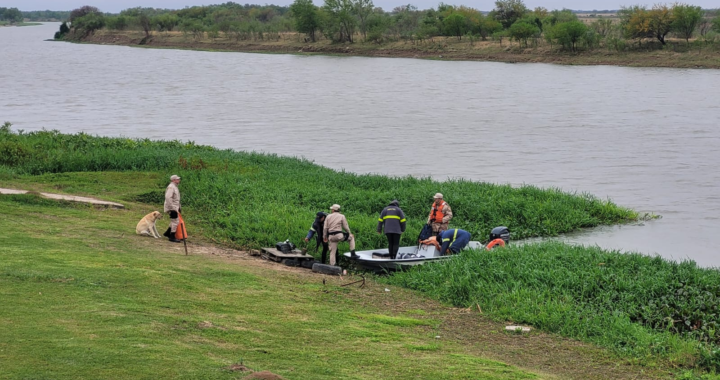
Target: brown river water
647 138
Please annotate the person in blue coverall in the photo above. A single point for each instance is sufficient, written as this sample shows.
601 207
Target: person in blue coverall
454 240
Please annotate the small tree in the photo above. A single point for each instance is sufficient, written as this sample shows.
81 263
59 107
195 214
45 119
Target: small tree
522 31
488 27
507 12
363 9
686 19
455 25
716 24
660 22
305 16
82 11
570 33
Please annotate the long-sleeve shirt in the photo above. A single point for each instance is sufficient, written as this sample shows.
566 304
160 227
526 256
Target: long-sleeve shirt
172 198
317 228
393 219
335 222
455 239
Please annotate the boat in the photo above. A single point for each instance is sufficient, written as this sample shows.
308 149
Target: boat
379 260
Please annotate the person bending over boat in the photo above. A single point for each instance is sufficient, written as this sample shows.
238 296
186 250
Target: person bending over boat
453 241
333 233
440 215
392 218
317 230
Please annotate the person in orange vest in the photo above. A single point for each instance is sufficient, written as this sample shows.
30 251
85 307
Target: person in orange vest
440 215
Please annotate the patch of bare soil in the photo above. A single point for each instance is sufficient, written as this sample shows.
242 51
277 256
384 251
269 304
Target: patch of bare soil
238 368
263 375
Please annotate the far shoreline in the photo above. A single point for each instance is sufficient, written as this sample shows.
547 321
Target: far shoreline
445 49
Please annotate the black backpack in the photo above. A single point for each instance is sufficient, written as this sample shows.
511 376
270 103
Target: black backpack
425 233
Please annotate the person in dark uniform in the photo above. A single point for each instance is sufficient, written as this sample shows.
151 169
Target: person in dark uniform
453 241
317 230
392 218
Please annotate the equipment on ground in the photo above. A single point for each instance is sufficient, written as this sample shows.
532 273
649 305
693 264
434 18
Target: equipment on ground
285 246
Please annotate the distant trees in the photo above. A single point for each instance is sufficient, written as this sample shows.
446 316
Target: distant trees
522 30
686 19
12 15
306 17
345 21
507 12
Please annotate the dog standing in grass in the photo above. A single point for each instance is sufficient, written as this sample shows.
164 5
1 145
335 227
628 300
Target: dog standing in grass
172 207
146 225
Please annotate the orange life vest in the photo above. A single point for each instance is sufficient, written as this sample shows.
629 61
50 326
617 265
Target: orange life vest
436 214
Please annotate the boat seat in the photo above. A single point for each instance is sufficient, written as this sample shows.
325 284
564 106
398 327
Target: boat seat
380 255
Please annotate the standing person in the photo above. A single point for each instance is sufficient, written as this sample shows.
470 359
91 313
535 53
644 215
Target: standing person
333 233
453 241
440 215
317 230
393 219
172 207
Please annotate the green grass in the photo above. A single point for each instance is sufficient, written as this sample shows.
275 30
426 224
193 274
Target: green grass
83 297
252 200
645 308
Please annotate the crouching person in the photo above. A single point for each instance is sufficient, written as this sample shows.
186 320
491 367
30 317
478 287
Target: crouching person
453 241
317 231
333 233
172 207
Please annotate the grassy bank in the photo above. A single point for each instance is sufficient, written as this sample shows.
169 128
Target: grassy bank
642 307
650 312
84 297
252 200
445 48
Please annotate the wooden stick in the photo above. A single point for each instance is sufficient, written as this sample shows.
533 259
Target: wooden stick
182 225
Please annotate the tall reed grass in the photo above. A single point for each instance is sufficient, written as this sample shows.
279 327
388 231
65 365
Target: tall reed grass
256 199
639 305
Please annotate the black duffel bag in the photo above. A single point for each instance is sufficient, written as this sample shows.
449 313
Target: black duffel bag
285 246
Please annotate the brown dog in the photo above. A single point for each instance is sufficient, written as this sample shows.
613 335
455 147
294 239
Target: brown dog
146 225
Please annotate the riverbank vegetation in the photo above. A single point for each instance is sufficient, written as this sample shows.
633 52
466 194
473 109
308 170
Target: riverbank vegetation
510 30
649 311
640 306
253 200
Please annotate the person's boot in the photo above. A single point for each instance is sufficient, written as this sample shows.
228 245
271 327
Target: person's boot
353 255
167 233
172 238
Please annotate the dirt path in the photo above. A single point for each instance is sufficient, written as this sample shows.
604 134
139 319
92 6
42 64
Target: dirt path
546 354
60 197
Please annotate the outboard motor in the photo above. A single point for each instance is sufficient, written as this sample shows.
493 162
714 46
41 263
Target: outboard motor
500 233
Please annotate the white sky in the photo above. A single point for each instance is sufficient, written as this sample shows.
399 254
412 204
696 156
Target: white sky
483 5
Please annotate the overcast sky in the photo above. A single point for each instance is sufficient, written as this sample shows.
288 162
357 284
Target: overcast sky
483 5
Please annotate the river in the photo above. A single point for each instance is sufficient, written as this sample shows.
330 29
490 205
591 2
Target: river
647 138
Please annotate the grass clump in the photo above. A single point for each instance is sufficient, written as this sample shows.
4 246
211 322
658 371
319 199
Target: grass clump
254 200
643 307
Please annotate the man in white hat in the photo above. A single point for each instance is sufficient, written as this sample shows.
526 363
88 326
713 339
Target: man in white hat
333 233
172 207
440 215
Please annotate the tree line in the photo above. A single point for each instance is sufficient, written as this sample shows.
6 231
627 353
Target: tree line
11 15
350 21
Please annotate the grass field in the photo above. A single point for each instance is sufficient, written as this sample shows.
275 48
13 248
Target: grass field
85 298
81 283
